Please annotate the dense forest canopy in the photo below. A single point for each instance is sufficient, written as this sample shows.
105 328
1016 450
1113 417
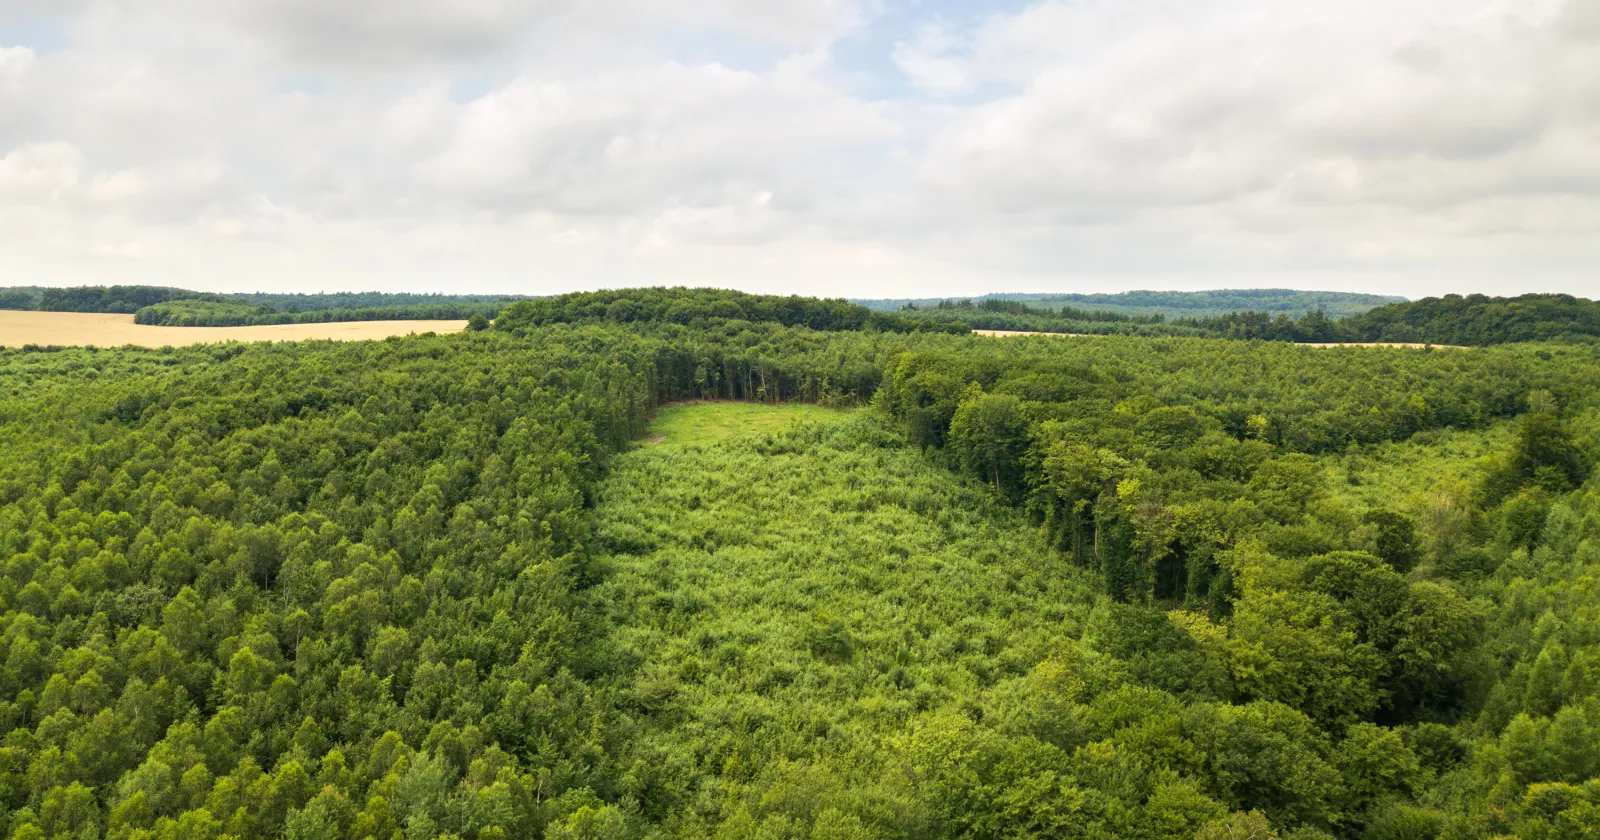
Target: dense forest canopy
1314 327
1473 321
1124 587
1479 320
233 313
116 299
703 306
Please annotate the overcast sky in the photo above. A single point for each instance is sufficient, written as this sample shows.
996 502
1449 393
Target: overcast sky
837 147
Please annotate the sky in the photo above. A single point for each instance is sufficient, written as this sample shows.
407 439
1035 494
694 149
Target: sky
861 148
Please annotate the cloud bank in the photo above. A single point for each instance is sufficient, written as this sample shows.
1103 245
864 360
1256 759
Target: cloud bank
839 147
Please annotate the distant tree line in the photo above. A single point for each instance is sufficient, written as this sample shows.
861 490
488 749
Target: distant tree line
701 306
1066 313
1474 320
1011 315
115 299
191 308
206 313
1480 320
301 302
1202 304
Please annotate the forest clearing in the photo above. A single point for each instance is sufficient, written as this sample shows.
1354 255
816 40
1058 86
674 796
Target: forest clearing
98 329
794 599
709 421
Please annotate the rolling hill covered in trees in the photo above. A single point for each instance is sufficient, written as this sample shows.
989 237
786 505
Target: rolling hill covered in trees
116 299
1471 321
1172 305
1480 320
1123 587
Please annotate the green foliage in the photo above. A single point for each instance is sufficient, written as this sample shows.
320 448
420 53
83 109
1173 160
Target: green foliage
706 307
989 434
1480 320
1276 315
236 312
123 299
1147 588
20 297
710 421
772 650
305 588
1394 538
1172 305
1310 326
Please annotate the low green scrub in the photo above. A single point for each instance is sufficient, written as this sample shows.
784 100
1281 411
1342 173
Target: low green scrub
710 421
1405 474
205 313
791 608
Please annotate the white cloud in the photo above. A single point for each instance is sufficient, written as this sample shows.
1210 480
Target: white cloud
1227 134
930 59
14 63
44 172
1426 146
397 30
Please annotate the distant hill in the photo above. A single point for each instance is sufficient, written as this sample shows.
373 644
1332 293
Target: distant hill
130 299
1172 305
170 307
117 299
685 307
1479 320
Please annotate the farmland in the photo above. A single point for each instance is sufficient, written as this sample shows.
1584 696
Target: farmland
77 329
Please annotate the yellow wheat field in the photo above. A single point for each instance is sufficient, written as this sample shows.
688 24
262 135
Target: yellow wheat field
102 330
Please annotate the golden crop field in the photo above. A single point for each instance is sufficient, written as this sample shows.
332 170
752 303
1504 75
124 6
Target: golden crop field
103 330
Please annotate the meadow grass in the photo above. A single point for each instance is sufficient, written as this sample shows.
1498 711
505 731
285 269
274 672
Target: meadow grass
807 600
710 421
1403 474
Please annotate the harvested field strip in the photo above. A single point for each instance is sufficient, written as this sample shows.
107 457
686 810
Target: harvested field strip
77 329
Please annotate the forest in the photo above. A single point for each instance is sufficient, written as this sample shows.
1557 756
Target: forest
707 307
686 563
117 299
190 312
1480 320
1291 302
1471 321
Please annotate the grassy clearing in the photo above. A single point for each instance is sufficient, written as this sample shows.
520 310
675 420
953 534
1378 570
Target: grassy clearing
785 610
713 421
1404 474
